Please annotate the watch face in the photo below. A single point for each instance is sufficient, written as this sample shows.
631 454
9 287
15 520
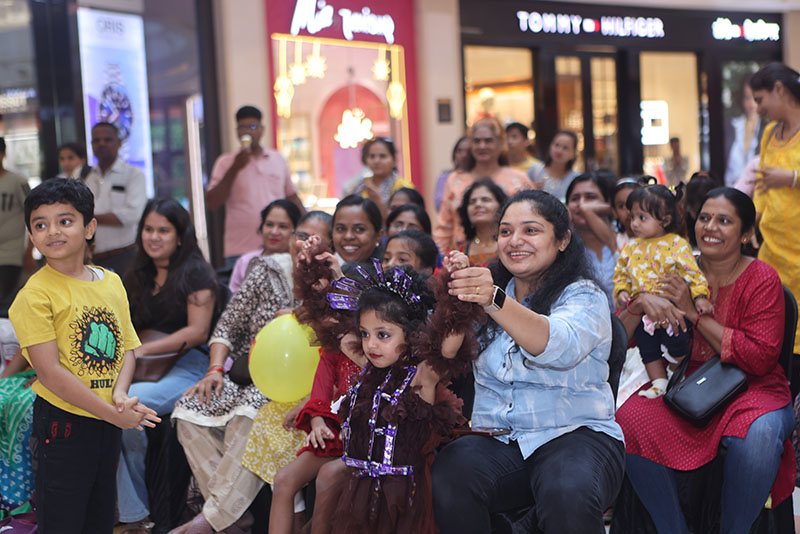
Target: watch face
115 108
499 298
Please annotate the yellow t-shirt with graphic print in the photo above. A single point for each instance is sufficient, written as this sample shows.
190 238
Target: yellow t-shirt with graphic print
90 322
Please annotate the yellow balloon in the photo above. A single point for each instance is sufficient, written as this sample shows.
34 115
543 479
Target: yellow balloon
282 363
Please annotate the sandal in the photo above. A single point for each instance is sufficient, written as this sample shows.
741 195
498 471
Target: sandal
242 526
145 526
199 525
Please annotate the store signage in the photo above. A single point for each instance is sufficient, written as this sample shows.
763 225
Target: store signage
16 100
724 30
642 27
114 82
316 15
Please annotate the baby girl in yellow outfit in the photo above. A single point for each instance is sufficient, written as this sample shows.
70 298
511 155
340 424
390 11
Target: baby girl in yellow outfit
654 254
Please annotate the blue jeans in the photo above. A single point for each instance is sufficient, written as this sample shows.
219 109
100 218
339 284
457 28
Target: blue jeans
161 396
751 465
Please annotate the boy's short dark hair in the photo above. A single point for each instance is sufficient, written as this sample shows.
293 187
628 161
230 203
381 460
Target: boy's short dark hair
521 128
248 112
60 190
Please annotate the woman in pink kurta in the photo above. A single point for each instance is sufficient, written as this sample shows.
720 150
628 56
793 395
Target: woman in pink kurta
487 160
746 330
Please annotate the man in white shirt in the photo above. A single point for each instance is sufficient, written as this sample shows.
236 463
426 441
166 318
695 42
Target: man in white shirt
119 198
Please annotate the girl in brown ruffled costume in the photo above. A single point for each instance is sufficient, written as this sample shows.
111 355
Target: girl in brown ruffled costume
400 409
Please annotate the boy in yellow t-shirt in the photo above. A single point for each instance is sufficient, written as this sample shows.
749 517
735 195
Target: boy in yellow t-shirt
73 323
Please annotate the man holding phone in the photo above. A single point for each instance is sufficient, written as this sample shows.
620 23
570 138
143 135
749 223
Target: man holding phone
245 182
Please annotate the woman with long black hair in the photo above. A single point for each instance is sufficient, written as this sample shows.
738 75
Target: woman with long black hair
541 389
172 290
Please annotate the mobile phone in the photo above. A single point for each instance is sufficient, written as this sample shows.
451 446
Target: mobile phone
481 431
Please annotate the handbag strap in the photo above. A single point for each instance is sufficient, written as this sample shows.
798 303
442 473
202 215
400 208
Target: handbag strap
679 373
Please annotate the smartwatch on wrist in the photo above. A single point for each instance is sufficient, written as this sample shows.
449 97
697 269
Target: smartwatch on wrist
498 299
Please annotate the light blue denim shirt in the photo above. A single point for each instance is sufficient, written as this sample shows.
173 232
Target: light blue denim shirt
563 388
604 271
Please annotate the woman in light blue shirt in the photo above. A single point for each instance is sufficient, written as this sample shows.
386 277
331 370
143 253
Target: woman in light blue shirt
540 384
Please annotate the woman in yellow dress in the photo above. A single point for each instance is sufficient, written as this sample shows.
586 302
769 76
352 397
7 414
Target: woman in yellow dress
776 90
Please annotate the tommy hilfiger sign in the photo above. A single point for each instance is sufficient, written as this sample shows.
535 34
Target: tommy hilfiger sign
641 27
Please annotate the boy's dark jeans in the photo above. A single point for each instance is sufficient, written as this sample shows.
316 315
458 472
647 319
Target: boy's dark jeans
75 467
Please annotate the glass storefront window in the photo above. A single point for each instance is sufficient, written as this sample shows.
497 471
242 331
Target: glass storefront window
569 99
671 78
173 75
19 103
332 95
499 82
604 113
158 43
743 125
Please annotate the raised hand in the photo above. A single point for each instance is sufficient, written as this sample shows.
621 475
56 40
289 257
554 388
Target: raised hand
455 261
451 343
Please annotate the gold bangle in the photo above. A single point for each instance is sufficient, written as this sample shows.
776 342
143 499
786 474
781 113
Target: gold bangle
794 179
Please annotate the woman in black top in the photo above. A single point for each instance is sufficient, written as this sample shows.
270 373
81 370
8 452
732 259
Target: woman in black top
173 291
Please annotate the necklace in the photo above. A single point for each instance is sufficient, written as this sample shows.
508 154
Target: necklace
727 280
783 132
478 241
91 273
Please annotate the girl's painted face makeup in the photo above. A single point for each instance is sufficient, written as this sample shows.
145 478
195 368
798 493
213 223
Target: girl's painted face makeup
381 340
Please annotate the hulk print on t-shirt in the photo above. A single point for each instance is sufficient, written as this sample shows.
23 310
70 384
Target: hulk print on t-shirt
96 344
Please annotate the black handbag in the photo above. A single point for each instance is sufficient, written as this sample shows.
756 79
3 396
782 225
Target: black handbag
708 390
240 371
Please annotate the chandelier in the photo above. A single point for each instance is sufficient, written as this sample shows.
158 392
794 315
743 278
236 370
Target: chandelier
354 128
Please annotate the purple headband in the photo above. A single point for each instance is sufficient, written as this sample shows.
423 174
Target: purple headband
399 284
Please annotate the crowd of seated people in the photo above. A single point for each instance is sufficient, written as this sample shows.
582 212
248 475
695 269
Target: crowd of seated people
529 269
